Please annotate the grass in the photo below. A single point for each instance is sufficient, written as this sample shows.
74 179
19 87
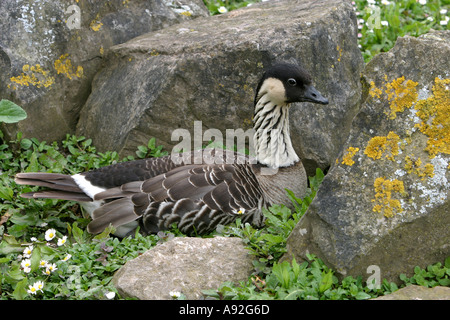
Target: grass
75 265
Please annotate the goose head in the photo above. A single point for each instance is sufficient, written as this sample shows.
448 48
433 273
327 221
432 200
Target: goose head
285 83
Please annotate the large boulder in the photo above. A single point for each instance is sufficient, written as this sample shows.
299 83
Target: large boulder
384 206
207 70
50 51
184 265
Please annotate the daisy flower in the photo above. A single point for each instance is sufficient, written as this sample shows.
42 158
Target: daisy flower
222 10
67 257
240 211
27 252
37 286
43 263
51 267
26 265
32 289
50 234
110 295
175 294
62 241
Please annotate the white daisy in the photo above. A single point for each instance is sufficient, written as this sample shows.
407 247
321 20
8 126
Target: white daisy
222 10
62 241
67 257
50 267
175 294
27 252
239 211
26 265
37 286
43 263
110 295
50 234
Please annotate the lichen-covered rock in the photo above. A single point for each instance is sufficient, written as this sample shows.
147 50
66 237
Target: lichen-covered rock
207 70
184 265
50 51
386 202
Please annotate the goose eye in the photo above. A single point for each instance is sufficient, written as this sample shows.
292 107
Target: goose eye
292 82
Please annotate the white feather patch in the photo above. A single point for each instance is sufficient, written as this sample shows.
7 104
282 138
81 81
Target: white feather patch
86 186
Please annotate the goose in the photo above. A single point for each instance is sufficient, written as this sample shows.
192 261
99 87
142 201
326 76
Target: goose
155 193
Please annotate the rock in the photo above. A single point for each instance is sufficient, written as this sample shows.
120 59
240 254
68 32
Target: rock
384 205
414 292
186 265
207 70
50 51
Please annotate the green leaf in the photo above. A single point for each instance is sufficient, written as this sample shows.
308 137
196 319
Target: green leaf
106 233
326 282
76 232
7 247
11 112
26 144
20 291
5 260
361 295
6 193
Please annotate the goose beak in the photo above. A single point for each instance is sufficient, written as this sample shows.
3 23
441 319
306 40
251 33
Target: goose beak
313 95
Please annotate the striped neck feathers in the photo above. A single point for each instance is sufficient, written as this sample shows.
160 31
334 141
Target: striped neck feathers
273 146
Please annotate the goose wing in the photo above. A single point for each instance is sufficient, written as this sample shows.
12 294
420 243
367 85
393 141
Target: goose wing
197 197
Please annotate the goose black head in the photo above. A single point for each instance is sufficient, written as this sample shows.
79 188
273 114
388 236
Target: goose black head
287 83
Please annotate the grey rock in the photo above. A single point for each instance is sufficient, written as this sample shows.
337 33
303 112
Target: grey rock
388 205
50 51
414 292
207 70
185 265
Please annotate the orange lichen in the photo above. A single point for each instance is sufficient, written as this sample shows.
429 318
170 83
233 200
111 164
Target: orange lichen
33 75
348 157
402 94
379 145
434 113
64 65
384 190
374 91
415 166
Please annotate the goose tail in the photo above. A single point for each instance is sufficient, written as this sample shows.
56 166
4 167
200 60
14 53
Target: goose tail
60 186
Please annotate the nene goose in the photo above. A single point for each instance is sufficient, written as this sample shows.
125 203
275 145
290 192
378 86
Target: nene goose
157 192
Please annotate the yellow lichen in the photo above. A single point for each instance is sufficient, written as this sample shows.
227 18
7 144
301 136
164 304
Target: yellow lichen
96 24
348 157
380 144
154 53
374 91
402 94
434 113
64 65
415 166
384 191
34 76
339 49
186 13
